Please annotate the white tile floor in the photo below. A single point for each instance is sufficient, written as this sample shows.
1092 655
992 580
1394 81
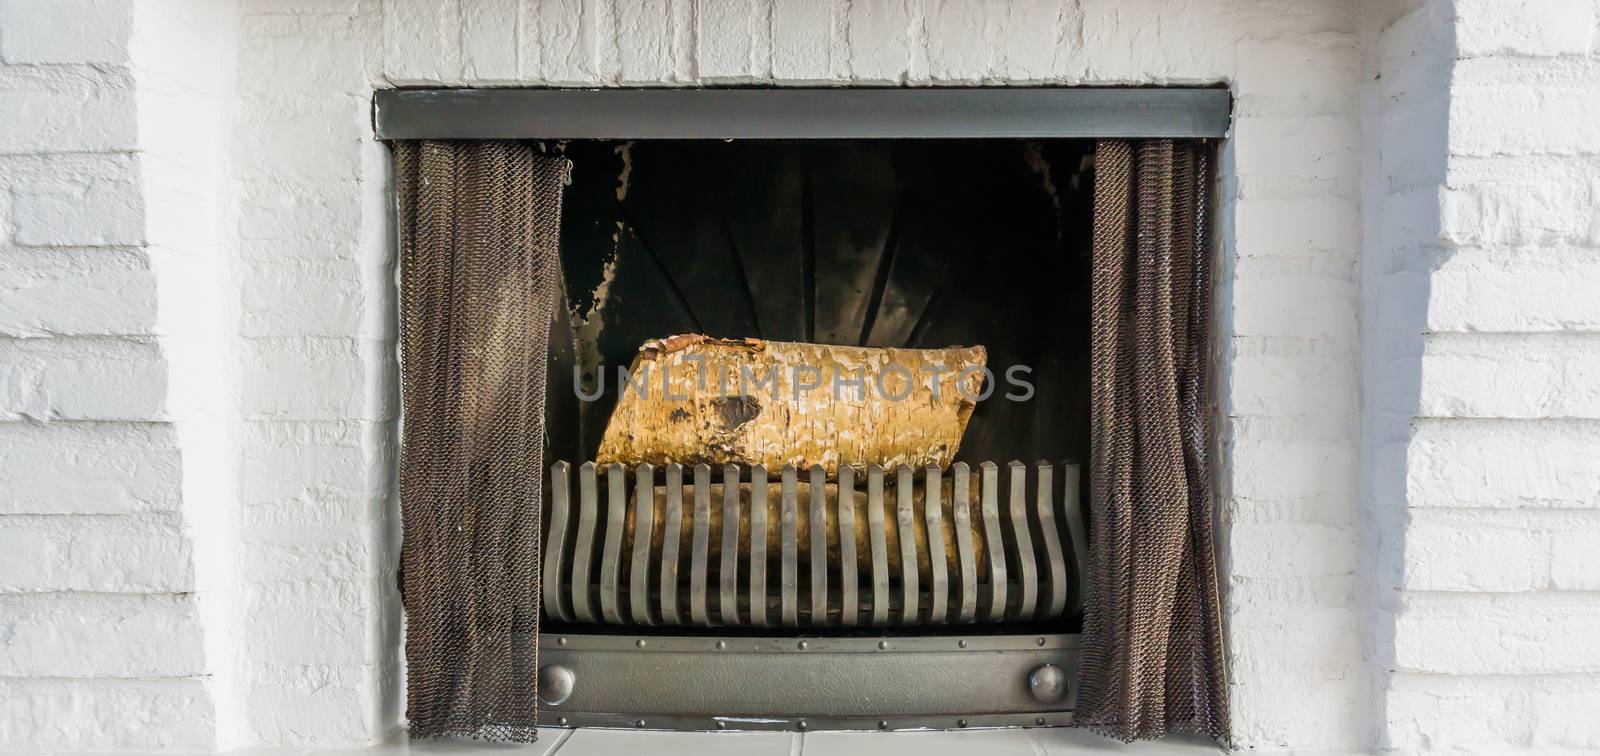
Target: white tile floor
593 742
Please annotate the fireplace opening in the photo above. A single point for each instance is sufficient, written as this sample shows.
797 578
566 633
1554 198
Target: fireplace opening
917 246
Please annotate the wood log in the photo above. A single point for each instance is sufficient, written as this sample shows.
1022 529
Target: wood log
693 399
857 499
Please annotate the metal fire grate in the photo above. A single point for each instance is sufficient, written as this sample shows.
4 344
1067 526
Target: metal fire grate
917 547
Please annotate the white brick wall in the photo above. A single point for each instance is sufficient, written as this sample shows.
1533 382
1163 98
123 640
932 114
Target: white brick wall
113 608
197 357
1482 442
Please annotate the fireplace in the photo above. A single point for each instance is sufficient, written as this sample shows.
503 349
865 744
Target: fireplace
830 574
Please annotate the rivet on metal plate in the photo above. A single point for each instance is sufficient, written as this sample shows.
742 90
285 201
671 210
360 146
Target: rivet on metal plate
555 684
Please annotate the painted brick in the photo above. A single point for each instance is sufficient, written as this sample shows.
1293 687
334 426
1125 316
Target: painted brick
880 41
645 32
725 39
1524 27
1516 292
1561 716
1031 37
65 31
96 554
961 41
65 109
308 299
105 715
804 49
489 40
1503 464
325 147
87 379
1474 553
1575 560
1513 376
78 211
1558 120
1298 76
1428 713
1521 212
313 712
87 468
319 212
1498 634
1292 549
1297 157
1292 386
279 370
1298 226
304 66
77 302
97 635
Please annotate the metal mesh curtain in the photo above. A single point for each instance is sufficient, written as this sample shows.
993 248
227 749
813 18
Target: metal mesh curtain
1152 645
479 223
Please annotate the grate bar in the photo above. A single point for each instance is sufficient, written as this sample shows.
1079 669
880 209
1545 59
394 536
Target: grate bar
849 566
1020 544
555 545
611 557
671 544
644 511
817 513
966 552
933 515
788 579
880 546
905 519
583 547
1056 601
758 546
994 544
700 547
728 564
1071 480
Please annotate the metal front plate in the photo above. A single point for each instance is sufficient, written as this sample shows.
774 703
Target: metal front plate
801 113
734 683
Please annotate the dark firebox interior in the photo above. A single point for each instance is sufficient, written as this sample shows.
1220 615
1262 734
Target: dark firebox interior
886 243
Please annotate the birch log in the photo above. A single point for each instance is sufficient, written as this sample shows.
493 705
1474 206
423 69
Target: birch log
691 399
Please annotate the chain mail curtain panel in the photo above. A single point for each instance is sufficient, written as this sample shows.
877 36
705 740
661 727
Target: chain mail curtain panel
479 223
1152 644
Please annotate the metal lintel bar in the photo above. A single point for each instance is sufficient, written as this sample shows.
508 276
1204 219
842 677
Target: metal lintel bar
803 113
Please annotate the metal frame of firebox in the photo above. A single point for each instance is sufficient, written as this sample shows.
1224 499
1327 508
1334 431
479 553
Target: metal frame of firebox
936 678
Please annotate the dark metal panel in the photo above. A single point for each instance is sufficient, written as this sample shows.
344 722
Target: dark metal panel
829 683
830 113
